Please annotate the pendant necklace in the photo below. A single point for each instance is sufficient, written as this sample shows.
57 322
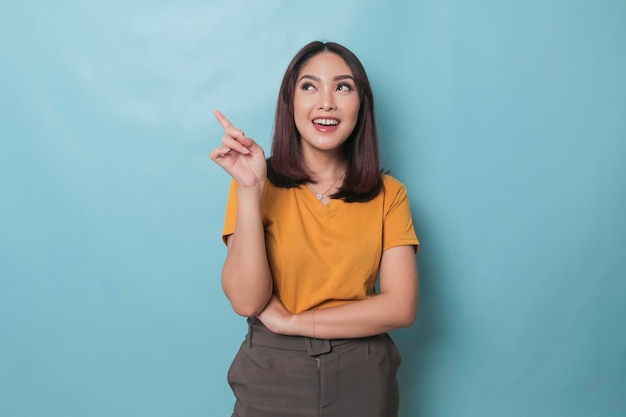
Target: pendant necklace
321 196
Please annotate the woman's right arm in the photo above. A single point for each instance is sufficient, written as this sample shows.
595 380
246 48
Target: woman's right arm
246 277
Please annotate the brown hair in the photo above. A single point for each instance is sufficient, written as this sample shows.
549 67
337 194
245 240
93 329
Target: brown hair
286 167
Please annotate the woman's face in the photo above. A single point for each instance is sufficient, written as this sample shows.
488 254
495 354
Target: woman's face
326 103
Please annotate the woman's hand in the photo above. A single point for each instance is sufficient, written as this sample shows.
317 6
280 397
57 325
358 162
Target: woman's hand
276 317
239 155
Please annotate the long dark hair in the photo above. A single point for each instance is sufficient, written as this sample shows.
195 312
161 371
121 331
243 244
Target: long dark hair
286 166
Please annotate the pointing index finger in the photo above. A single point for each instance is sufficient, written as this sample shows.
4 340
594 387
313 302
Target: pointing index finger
222 119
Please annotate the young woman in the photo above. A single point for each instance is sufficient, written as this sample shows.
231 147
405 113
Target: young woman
308 231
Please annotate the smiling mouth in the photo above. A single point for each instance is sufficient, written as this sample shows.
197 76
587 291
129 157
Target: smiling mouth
326 122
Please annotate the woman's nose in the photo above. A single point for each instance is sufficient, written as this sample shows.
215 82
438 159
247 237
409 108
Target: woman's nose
326 101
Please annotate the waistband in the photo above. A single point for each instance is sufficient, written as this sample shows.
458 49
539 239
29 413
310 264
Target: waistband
260 335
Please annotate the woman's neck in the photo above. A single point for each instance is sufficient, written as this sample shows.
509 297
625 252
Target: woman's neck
325 167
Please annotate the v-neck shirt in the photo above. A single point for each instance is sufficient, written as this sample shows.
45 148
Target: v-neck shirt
325 255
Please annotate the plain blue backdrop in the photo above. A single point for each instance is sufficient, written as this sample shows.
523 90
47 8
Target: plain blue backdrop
506 120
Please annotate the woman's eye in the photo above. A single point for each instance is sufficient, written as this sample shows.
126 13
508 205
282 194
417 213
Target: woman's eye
307 86
344 87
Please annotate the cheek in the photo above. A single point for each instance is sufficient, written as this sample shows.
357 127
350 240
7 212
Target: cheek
302 108
302 105
300 115
354 110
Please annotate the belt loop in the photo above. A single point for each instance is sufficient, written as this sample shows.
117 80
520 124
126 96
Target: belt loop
316 347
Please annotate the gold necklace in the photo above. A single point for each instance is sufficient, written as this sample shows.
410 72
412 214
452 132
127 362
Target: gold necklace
321 196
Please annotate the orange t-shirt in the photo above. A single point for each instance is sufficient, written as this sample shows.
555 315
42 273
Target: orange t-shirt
328 255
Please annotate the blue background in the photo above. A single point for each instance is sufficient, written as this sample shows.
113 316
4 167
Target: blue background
506 120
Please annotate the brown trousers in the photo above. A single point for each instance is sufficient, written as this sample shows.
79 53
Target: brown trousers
289 376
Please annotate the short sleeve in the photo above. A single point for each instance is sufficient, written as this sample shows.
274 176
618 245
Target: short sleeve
398 226
231 212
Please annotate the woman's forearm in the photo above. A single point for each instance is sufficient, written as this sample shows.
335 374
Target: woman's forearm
376 315
395 307
246 277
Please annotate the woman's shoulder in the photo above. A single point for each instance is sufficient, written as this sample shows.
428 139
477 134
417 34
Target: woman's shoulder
392 184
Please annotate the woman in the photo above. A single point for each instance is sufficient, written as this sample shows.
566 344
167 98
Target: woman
308 233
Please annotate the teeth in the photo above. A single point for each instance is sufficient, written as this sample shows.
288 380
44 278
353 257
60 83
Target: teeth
326 122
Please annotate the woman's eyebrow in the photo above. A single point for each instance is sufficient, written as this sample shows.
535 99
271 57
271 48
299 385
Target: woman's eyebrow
310 77
337 78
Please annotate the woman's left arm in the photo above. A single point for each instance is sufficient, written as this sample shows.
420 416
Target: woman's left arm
394 307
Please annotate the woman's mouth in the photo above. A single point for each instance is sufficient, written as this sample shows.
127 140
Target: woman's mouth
325 124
